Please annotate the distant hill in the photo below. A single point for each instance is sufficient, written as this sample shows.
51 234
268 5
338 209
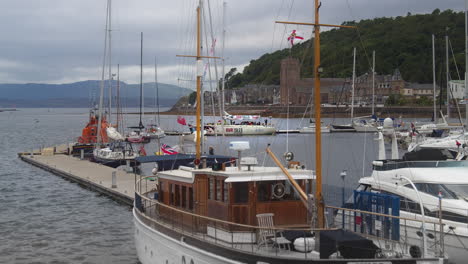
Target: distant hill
402 42
82 94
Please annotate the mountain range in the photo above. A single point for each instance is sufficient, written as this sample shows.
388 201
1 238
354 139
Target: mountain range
84 94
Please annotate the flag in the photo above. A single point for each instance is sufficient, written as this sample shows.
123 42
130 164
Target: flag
295 37
168 150
181 120
458 143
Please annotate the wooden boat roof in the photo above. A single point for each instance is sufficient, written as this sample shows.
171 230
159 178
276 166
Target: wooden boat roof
187 174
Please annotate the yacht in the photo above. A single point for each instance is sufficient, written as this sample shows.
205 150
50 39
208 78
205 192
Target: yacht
433 179
116 154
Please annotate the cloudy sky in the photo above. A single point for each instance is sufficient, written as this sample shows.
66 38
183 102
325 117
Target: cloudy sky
58 41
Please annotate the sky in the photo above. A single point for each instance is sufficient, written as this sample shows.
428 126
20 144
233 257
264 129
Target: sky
57 41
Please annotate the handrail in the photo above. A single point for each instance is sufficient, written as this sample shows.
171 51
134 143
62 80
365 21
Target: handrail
379 214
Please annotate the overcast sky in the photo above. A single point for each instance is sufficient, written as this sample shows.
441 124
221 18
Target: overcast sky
60 41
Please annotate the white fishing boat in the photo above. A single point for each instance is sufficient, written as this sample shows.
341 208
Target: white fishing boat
116 154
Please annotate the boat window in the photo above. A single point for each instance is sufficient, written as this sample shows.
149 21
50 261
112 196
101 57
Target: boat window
449 216
276 191
226 192
177 195
184 197
161 192
406 204
459 190
434 189
190 202
171 194
210 188
219 191
241 192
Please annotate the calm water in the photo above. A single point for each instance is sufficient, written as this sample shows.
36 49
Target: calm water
46 219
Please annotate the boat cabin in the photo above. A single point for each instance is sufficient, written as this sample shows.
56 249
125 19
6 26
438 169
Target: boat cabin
235 195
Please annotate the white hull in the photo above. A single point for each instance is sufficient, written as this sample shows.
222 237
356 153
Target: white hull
154 247
365 128
453 244
241 130
311 130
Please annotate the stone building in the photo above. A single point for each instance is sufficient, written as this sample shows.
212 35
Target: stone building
295 90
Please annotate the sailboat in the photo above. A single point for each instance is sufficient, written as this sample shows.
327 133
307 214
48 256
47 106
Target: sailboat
243 213
348 127
154 130
138 135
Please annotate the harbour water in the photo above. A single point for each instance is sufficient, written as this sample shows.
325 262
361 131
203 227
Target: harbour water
46 219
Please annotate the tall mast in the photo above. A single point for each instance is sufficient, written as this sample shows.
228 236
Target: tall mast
119 112
141 80
352 85
318 133
466 63
110 61
223 66
199 75
434 77
157 89
373 81
447 75
101 93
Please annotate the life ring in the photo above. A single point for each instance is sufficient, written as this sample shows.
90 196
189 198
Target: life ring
279 190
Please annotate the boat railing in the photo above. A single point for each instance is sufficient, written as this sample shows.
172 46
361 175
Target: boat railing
187 223
394 233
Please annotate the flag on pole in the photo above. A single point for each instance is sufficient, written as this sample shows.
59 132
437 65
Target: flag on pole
168 150
295 37
181 120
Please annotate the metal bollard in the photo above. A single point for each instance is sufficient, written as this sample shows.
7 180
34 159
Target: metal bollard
127 168
31 154
81 154
114 179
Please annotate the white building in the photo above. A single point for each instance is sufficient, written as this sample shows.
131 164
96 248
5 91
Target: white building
458 89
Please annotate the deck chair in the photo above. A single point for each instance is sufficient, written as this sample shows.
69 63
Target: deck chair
268 235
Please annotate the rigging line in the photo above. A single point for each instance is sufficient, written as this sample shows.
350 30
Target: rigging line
359 35
454 59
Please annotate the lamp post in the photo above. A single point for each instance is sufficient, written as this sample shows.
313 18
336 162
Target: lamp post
343 175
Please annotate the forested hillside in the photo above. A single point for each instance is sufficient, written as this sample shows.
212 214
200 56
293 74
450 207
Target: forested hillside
403 42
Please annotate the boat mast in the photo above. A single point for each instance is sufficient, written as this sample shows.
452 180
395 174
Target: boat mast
352 85
119 111
141 80
447 75
223 66
434 78
199 75
318 135
466 63
101 93
110 61
157 89
373 82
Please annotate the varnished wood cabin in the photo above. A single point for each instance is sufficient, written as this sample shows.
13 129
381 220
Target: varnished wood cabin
236 195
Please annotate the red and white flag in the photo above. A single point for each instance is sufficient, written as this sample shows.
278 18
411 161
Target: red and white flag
168 150
295 37
181 120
